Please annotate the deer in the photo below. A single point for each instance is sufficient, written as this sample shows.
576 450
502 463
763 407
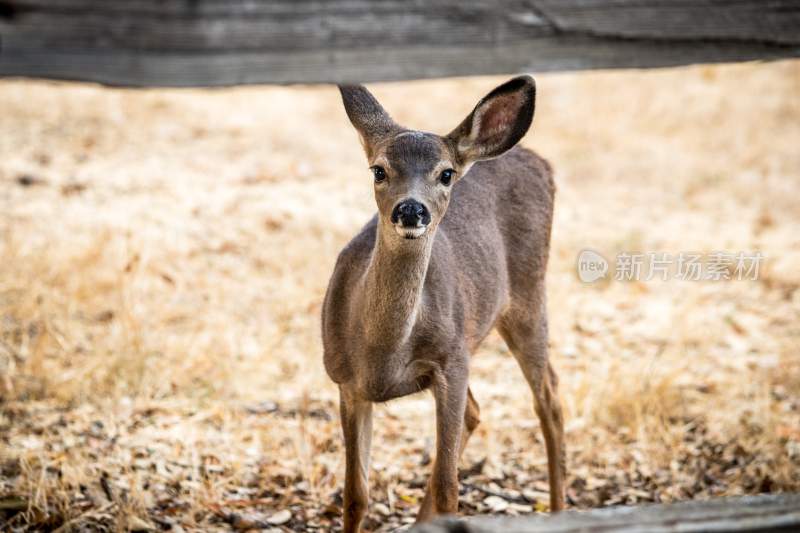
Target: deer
458 247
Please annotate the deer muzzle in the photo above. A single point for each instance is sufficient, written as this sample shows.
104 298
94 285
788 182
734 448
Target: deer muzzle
410 218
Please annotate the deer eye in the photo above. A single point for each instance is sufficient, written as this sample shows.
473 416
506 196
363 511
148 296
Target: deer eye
447 176
379 173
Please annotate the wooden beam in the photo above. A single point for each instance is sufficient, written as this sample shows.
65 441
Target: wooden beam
227 42
756 514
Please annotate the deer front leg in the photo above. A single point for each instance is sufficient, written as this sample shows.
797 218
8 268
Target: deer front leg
357 428
450 394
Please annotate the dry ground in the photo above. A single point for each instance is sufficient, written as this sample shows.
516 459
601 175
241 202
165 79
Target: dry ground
164 253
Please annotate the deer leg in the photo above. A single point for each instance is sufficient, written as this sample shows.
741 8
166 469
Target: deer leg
450 394
472 417
528 342
357 428
548 408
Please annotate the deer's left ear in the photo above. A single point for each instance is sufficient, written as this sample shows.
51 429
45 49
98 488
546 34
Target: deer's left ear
371 121
497 123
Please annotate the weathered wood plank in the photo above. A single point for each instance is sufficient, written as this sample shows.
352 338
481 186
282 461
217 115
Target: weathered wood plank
224 42
766 21
746 514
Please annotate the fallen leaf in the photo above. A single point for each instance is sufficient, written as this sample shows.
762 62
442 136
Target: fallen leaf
279 518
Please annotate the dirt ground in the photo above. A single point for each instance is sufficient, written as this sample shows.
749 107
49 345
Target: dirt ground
164 254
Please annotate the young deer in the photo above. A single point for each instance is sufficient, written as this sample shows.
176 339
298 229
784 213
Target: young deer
459 246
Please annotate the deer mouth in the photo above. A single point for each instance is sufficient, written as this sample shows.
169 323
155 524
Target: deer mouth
410 232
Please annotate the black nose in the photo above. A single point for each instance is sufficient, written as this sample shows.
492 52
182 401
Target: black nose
411 213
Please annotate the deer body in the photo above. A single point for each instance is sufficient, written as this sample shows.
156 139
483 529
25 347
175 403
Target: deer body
418 289
396 313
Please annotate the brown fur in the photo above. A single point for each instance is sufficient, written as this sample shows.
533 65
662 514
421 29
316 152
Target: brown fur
402 315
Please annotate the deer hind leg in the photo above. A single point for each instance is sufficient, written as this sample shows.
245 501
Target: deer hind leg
472 417
527 340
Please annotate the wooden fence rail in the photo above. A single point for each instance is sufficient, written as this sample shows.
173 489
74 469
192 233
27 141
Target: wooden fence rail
761 514
226 42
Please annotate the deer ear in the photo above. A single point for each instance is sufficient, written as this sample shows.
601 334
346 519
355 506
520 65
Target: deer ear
498 122
371 121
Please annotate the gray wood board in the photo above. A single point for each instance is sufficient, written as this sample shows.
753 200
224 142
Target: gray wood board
779 512
228 42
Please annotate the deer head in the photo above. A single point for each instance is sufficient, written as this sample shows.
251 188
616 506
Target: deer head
414 171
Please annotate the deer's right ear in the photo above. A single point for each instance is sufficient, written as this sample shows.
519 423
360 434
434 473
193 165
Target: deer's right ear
371 121
498 122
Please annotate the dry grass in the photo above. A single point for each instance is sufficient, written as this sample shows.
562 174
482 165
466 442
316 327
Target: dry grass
164 254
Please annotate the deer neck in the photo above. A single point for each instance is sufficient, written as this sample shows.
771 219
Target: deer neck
391 289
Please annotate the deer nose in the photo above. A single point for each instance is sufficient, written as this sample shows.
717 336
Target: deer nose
411 213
